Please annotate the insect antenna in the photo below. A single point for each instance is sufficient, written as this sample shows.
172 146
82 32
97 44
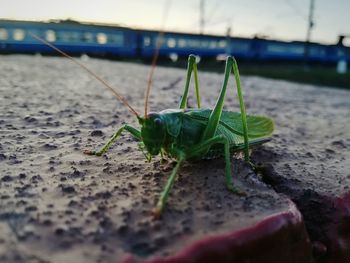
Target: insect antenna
159 41
116 94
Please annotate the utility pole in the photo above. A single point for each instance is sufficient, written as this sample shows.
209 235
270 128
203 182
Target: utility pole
308 34
228 40
201 16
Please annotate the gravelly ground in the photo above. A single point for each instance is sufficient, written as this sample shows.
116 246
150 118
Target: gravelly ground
59 205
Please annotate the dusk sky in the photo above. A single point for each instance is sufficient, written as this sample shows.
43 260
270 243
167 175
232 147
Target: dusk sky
276 19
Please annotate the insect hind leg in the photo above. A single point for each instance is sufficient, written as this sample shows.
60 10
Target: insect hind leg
242 108
214 118
133 131
191 66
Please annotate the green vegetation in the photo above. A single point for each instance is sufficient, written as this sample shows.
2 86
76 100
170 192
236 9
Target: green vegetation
322 75
317 75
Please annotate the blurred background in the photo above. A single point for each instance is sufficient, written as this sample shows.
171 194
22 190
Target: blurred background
301 40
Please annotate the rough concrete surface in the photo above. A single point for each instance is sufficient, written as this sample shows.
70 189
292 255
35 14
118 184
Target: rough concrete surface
57 204
309 160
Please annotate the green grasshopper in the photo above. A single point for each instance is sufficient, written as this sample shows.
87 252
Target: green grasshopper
189 134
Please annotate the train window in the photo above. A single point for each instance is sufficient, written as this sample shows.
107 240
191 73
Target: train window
88 37
18 34
222 43
62 36
315 51
297 49
146 41
68 36
3 34
182 43
213 44
194 43
280 48
35 32
117 39
171 42
101 38
205 44
50 36
275 49
240 46
340 53
74 36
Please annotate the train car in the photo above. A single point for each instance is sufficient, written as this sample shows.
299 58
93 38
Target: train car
336 53
181 44
71 37
107 40
317 52
243 48
270 50
205 46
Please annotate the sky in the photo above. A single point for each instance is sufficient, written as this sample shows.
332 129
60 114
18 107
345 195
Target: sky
275 19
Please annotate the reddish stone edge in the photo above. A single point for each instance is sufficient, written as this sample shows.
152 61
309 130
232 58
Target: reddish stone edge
339 230
280 237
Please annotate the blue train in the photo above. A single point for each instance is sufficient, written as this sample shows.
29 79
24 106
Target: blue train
102 40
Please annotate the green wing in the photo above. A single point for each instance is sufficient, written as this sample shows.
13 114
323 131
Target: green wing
260 128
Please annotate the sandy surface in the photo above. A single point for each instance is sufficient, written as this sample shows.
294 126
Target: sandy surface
60 205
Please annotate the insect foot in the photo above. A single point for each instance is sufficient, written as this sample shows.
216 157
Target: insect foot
156 212
236 191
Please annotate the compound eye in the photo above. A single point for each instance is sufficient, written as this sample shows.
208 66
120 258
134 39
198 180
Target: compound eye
157 121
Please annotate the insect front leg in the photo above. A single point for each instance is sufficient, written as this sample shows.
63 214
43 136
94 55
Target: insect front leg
191 66
164 195
133 131
202 148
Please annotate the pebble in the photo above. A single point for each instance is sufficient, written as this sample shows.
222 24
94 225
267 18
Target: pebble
96 133
68 189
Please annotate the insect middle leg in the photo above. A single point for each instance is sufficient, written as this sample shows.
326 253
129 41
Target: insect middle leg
203 148
133 131
196 151
191 66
